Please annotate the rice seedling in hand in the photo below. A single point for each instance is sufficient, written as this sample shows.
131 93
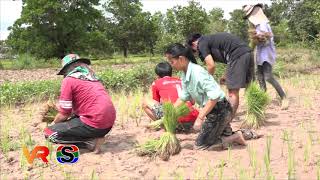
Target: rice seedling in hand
49 112
155 125
256 101
168 144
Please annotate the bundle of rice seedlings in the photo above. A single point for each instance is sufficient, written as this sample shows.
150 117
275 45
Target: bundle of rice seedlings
49 112
255 38
256 101
168 144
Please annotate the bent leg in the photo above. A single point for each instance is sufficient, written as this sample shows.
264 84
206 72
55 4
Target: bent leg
234 100
73 131
147 107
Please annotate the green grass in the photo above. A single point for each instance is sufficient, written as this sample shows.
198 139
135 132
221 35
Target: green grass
26 61
116 80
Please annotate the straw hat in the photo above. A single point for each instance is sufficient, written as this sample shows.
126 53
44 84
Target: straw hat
254 14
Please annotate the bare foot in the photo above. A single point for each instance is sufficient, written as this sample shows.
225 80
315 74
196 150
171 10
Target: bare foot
240 139
97 146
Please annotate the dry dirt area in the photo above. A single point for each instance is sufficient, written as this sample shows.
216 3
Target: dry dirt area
118 159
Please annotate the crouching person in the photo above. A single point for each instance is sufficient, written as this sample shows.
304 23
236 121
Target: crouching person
167 88
83 96
198 84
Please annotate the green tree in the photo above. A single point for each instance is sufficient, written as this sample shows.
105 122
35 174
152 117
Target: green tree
53 28
217 23
192 18
131 29
303 22
237 25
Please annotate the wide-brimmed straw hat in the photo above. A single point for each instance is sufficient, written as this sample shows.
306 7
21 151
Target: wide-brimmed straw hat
69 59
254 14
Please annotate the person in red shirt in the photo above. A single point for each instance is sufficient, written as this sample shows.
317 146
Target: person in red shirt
167 88
86 111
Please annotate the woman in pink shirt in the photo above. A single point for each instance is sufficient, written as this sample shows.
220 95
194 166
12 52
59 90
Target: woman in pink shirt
86 111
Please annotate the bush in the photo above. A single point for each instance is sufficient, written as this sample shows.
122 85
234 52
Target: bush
116 80
139 76
12 93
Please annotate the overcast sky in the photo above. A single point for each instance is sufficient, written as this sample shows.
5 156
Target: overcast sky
10 9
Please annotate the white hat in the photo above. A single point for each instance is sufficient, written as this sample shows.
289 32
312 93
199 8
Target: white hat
255 14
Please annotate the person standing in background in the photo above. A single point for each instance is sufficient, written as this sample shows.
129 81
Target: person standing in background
262 39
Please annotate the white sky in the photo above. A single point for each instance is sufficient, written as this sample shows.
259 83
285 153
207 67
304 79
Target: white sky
10 10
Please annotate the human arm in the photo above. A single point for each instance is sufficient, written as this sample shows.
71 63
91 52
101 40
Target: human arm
60 118
211 66
155 92
209 88
203 112
178 102
65 102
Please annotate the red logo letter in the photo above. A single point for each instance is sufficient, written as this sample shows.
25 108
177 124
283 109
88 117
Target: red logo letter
34 154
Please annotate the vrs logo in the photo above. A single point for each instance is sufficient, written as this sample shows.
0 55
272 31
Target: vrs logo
40 152
67 154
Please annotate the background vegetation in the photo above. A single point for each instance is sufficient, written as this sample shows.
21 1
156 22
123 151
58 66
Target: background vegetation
50 29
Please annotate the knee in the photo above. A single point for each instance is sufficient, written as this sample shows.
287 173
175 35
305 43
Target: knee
50 135
233 92
144 104
268 77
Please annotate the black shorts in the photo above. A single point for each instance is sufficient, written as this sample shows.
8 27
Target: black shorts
240 72
73 131
214 124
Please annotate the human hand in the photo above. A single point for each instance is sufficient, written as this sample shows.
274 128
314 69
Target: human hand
197 124
223 80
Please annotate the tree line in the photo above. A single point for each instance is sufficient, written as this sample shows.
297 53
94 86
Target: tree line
52 28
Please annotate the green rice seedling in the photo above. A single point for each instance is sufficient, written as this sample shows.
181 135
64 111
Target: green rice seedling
291 160
93 175
243 175
267 159
229 153
178 175
211 172
221 169
256 101
168 144
253 159
5 141
199 172
50 147
285 138
307 148
22 161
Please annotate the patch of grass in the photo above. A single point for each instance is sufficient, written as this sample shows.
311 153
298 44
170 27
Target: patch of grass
221 169
93 175
7 143
267 159
253 159
123 80
211 172
27 61
291 160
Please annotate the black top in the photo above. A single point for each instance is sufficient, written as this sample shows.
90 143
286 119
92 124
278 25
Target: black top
223 47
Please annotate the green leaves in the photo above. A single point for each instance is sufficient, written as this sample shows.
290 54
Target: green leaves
127 80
